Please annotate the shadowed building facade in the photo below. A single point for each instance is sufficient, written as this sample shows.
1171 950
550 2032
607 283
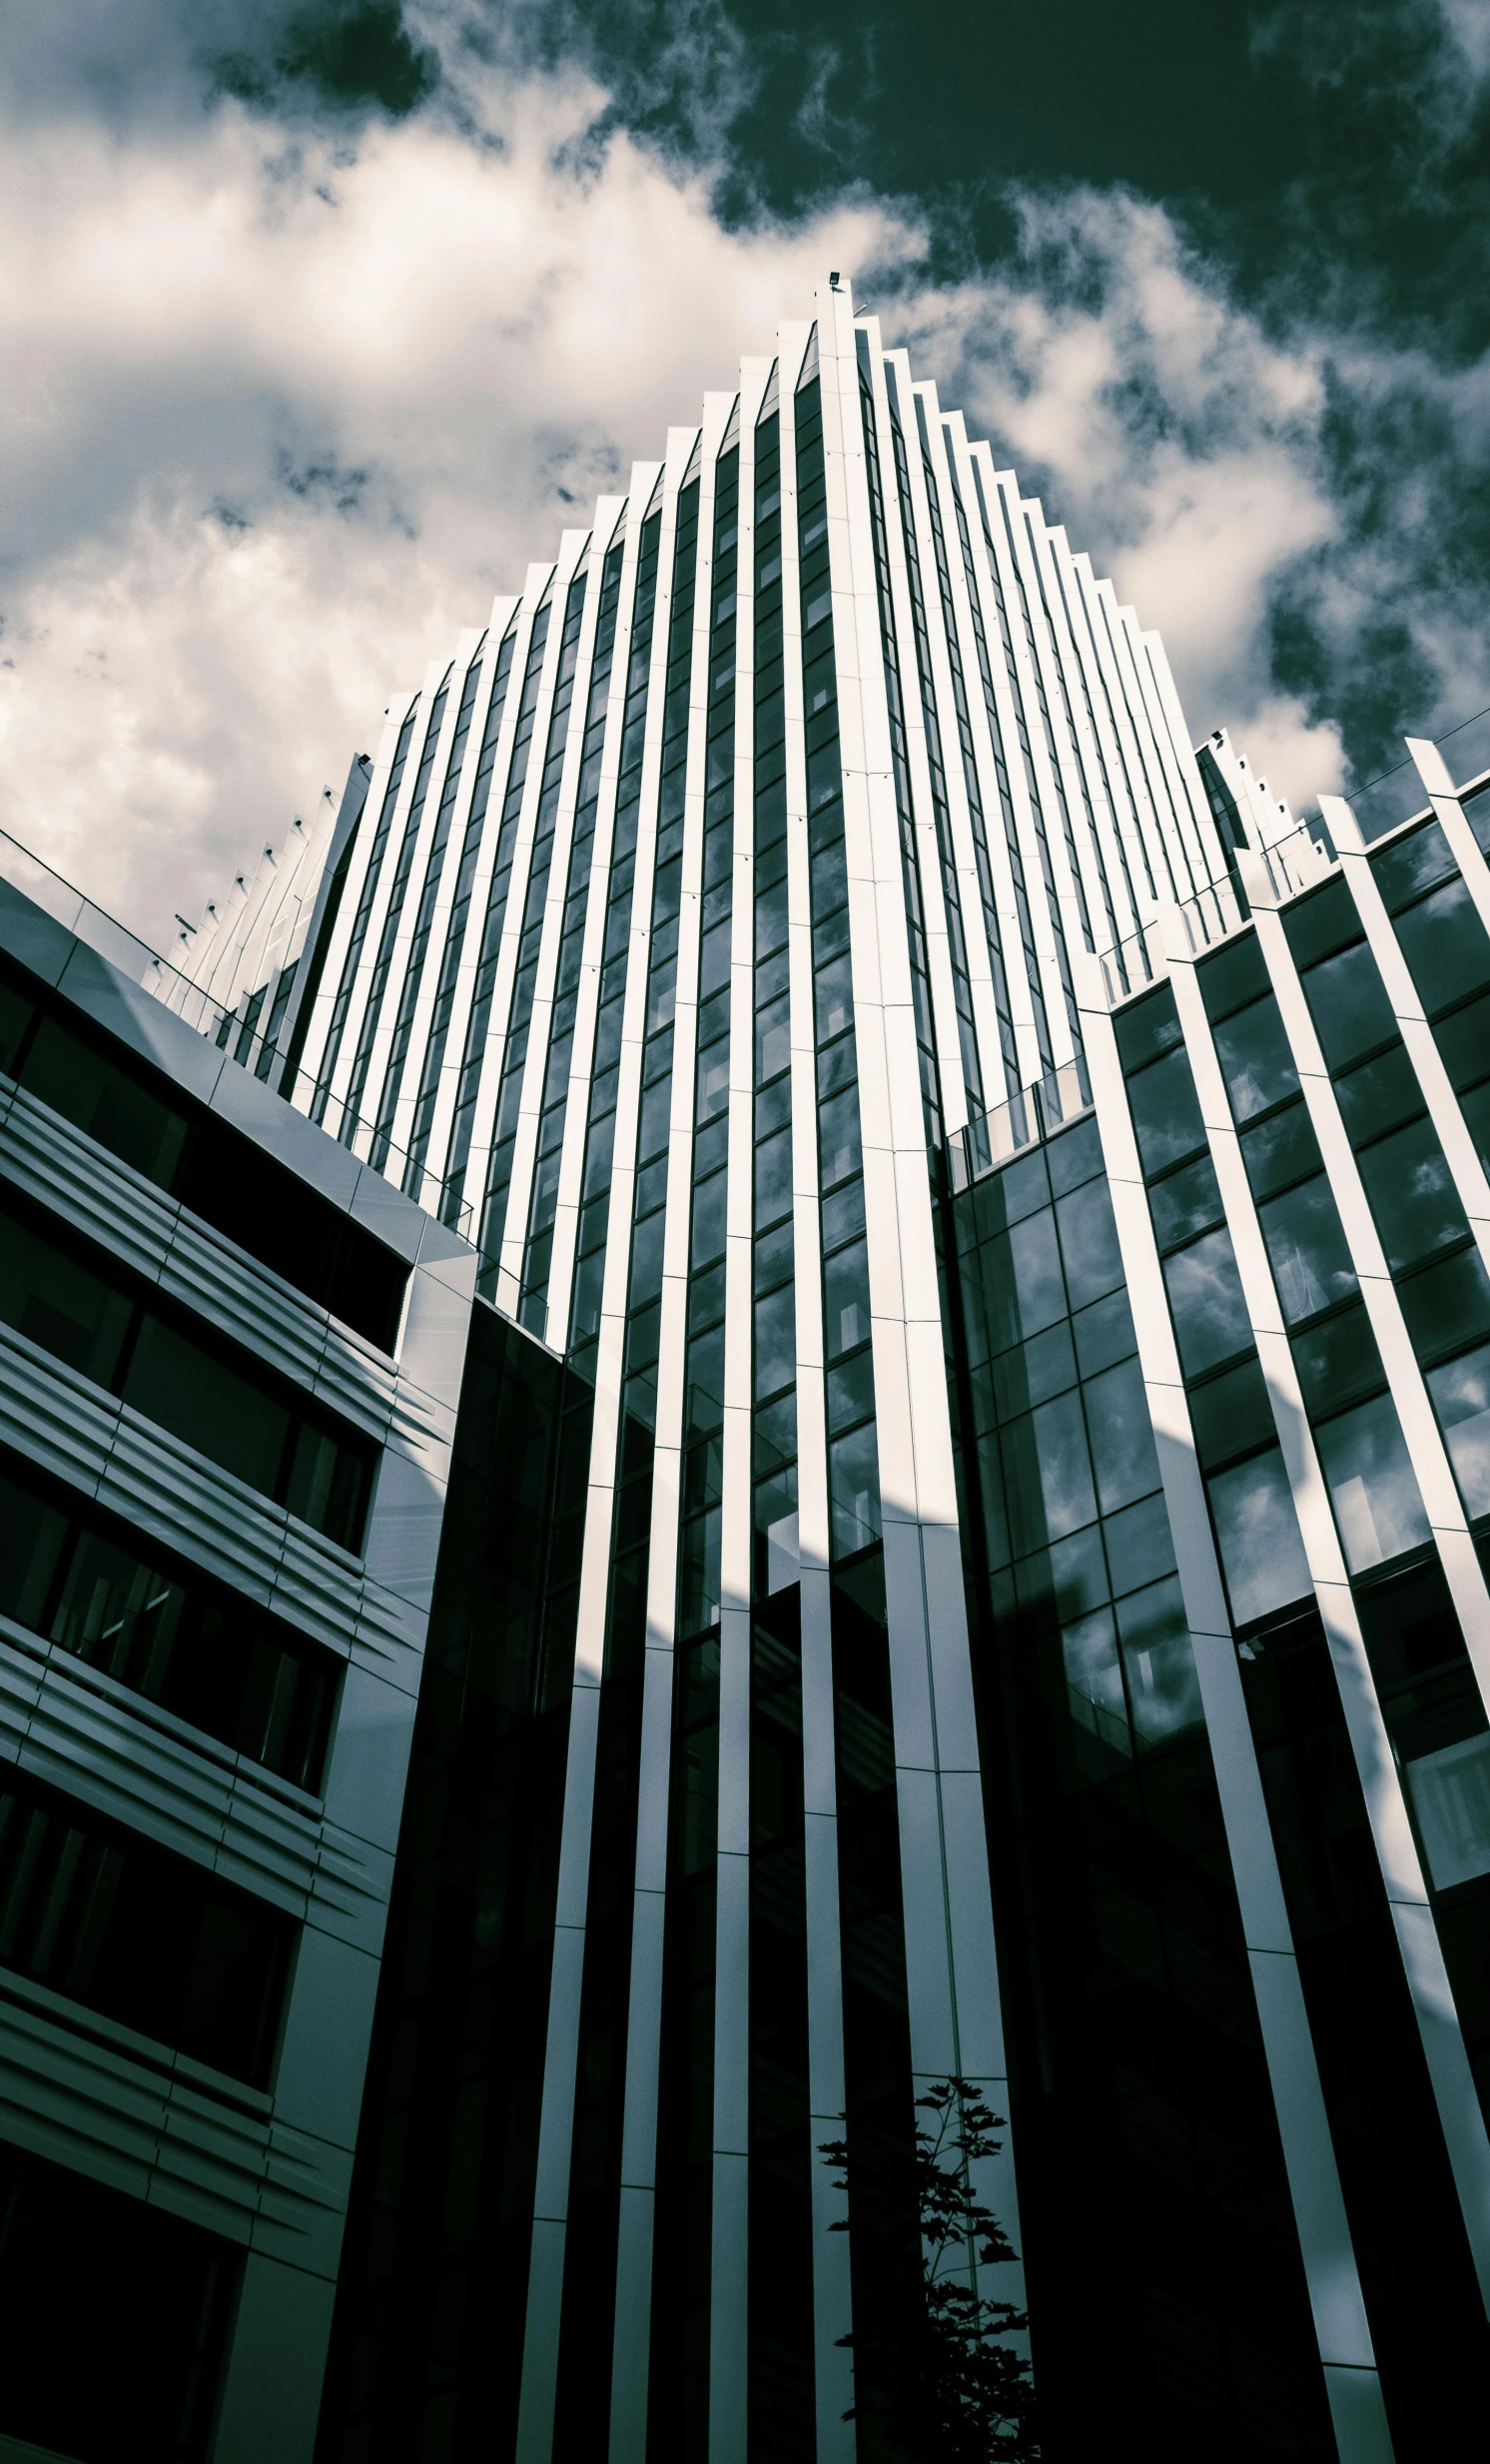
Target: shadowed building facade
960 1534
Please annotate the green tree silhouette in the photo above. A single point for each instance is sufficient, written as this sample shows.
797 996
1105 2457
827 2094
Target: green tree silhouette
955 2393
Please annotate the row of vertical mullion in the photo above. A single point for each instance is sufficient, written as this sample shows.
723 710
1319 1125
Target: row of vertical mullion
581 1066
1047 654
893 367
423 1017
1138 870
1381 1785
442 1120
634 2244
479 1159
1153 750
545 2284
1026 635
963 853
555 899
831 2288
1207 865
1327 2251
1006 898
996 583
1106 829
317 1032
386 1025
1101 602
338 1091
729 2216
1005 920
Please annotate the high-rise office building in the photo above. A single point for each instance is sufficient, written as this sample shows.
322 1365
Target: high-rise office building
962 1551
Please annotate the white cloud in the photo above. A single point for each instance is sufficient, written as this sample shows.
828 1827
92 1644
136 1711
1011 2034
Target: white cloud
1174 441
286 416
285 409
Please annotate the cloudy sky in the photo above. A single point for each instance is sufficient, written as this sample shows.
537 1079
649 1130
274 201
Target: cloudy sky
319 321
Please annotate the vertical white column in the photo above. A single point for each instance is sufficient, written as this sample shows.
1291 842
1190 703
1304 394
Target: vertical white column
1346 2348
955 2018
631 2359
1422 1959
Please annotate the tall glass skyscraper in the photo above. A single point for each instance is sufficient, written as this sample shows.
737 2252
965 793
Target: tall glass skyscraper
964 1542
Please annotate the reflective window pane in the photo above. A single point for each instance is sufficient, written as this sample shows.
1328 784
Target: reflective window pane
1375 1097
1464 1040
1093 1679
1446 1305
1450 1792
1088 1243
1159 1661
1255 1061
1256 1529
1306 1244
1371 1484
1461 1398
1049 1473
1337 1361
1206 1298
1121 1435
1411 863
1282 1150
1445 945
1412 1194
854 1491
1167 1112
1023 1280
1231 1414
1349 1005
1186 1202
1237 974
846 1299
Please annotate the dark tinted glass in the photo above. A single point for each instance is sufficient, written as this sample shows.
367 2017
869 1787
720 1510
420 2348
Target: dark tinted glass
1231 1414
149 1938
1464 1041
1446 1305
1148 1027
157 2295
1255 1061
1282 1150
1186 1202
1321 922
106 1101
1075 1157
1445 945
17 1010
1306 1244
1411 865
207 1405
1337 1362
115 1097
1167 1112
55 1300
1236 975
1088 1243
1477 814
1206 1298
1349 1007
1120 1434
1379 1095
84 1308
1412 1194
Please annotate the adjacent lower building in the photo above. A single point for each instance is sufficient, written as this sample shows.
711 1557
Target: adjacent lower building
874 1274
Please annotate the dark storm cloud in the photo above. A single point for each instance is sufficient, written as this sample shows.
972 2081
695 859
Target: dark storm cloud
321 316
1330 167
